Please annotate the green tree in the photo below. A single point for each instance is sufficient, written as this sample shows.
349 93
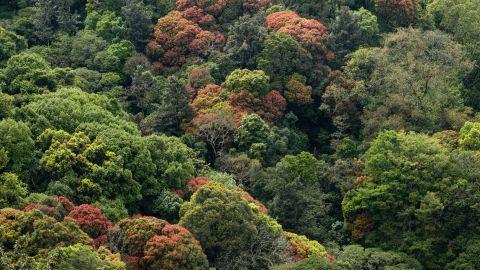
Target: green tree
137 19
349 31
11 44
409 198
298 201
367 21
172 110
107 25
245 40
252 130
144 92
255 82
85 46
470 136
311 8
357 257
6 105
52 16
80 256
234 234
12 190
86 167
114 56
72 109
406 85
114 209
16 146
44 233
458 19
280 58
27 73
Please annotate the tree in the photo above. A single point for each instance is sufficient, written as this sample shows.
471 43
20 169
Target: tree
42 233
309 33
175 162
297 199
311 36
137 22
85 46
91 220
392 13
196 183
318 263
11 44
172 110
458 19
245 40
232 233
169 252
207 98
398 94
80 256
302 247
255 82
355 257
252 130
72 109
107 25
271 106
16 147
296 92
241 167
88 168
279 58
467 258
470 136
6 105
217 126
144 92
57 207
148 242
367 21
215 14
52 16
198 78
176 39
347 35
321 10
274 106
160 7
12 190
409 198
28 73
114 210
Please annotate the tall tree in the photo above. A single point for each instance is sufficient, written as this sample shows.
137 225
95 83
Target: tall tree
172 110
137 22
245 40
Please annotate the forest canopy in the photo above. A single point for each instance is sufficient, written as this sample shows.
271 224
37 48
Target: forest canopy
239 134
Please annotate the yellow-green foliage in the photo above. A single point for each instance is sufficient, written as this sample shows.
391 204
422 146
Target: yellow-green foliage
303 248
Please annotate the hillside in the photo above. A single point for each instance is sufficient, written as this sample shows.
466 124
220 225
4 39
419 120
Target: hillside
239 134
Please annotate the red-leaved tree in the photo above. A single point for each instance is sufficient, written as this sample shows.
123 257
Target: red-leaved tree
177 39
396 13
309 33
151 243
91 220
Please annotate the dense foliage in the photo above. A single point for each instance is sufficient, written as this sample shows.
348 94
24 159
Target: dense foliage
239 134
